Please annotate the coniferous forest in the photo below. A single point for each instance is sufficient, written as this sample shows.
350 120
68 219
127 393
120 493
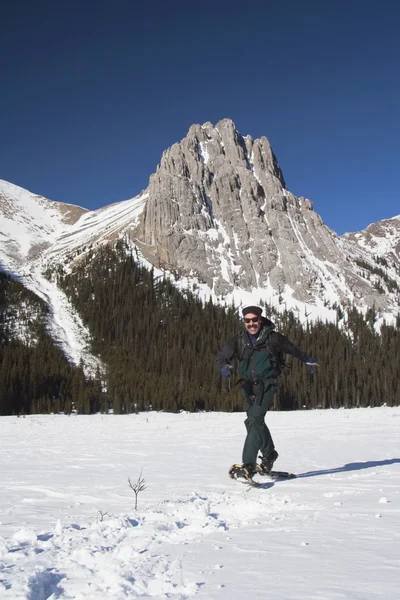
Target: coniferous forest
158 347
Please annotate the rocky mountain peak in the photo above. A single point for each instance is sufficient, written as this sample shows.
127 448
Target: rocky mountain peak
216 205
218 209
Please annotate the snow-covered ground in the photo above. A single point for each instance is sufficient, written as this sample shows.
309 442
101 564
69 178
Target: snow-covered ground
68 527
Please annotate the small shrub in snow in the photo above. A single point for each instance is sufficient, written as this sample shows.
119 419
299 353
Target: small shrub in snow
137 487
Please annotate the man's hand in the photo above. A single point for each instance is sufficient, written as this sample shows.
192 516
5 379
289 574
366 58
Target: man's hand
310 364
226 371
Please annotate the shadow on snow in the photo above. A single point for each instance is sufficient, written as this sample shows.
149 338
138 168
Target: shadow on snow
355 466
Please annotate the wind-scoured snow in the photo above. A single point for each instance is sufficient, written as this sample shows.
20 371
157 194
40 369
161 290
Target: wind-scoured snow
69 529
98 226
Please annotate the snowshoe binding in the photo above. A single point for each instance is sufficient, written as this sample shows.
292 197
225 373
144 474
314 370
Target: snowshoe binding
267 462
244 472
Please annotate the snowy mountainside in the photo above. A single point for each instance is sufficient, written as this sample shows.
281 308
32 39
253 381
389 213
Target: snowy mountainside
95 228
218 215
381 239
33 230
29 224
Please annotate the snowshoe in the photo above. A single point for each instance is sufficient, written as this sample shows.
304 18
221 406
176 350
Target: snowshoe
246 472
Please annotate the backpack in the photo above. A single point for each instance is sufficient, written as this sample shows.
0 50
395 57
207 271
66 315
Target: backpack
272 367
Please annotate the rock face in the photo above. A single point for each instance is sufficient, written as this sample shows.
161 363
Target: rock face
218 208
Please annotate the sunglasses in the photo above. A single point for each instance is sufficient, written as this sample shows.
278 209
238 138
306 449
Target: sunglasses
253 320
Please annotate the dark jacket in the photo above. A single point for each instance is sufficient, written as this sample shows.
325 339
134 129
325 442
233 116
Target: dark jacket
264 358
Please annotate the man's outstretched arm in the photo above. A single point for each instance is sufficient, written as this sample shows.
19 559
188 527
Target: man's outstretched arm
284 345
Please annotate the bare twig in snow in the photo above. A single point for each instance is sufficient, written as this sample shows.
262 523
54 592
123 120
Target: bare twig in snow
102 514
137 487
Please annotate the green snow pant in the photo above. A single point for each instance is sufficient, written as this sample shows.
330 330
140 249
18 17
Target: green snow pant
259 398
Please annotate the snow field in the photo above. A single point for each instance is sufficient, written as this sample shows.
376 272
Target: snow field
68 528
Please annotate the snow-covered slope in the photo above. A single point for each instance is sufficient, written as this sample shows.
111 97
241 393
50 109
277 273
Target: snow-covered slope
28 224
95 228
381 238
36 232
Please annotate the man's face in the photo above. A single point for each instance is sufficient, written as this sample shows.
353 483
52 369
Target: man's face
252 323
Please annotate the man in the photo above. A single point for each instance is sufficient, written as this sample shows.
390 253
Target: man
259 350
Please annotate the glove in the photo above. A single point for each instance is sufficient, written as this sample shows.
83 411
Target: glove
310 364
226 371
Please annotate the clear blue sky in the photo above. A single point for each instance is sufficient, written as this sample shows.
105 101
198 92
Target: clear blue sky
93 92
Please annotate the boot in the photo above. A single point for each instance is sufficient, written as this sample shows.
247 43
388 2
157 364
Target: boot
267 462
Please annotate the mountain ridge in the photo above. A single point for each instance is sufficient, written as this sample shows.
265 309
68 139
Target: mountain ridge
216 216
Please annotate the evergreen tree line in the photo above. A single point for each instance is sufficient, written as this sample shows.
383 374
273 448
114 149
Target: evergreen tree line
35 376
158 345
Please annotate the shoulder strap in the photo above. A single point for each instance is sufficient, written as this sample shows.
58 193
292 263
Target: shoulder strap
240 344
264 343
